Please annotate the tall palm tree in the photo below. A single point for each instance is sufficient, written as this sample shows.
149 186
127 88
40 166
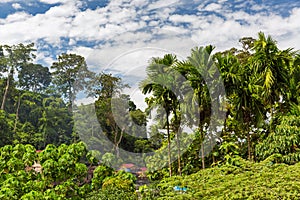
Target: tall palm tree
197 70
244 102
160 83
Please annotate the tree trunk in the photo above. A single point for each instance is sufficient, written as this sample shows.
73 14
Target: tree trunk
17 114
178 153
247 120
211 146
249 145
169 145
176 130
71 101
5 93
117 142
202 156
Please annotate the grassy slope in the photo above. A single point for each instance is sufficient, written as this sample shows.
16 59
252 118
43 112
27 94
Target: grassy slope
243 180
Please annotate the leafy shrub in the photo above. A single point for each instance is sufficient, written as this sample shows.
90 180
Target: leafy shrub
265 180
112 194
100 173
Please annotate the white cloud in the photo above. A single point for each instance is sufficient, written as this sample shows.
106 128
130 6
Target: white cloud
139 3
52 1
162 4
46 60
7 1
128 36
122 26
16 6
154 23
18 16
184 18
52 25
213 7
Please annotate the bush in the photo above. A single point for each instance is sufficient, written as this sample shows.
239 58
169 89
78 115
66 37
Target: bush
112 194
265 180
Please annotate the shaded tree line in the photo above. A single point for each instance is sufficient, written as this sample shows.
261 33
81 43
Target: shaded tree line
36 104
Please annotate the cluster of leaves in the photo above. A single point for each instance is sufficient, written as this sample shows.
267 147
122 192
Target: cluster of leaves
240 180
284 141
108 184
63 172
112 194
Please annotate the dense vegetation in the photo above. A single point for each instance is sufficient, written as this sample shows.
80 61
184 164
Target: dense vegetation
241 180
256 154
65 173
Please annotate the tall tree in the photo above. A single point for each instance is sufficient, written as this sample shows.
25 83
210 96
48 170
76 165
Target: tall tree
34 77
271 66
11 59
160 83
105 85
198 69
243 92
107 89
70 75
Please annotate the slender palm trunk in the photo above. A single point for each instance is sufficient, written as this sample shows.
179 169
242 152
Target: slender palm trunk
247 120
249 145
179 153
200 128
178 143
169 145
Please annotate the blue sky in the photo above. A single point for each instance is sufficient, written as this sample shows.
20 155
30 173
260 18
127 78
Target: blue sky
121 35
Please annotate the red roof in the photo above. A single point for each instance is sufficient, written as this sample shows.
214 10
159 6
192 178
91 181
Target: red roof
143 169
128 166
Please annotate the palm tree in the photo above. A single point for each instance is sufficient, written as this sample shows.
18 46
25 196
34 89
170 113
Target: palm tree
294 83
160 84
244 102
271 66
198 70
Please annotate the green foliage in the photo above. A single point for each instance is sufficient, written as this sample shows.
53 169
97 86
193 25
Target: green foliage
70 75
119 185
100 173
62 173
6 128
35 119
11 59
265 180
34 77
262 107
284 141
112 194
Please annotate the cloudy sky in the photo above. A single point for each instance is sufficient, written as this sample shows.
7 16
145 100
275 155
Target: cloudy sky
120 36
